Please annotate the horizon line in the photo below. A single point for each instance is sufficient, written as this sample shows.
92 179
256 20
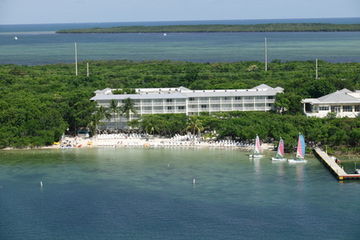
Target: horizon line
190 20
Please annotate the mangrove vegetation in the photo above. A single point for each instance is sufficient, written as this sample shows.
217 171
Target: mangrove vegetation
272 27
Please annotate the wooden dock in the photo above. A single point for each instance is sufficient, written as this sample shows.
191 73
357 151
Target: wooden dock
334 168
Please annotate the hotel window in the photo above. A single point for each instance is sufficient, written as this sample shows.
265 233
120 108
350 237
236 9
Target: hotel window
169 108
357 108
260 105
169 100
270 97
323 108
335 109
237 98
203 106
249 98
191 99
181 107
347 108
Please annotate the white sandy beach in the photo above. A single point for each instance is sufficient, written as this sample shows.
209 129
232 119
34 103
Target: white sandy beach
137 140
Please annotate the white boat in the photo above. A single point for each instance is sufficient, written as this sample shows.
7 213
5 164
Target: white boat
357 170
300 151
16 38
257 149
280 152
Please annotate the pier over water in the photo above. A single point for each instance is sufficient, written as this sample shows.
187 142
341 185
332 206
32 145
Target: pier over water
334 168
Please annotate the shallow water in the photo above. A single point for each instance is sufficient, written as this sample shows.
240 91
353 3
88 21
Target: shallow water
47 48
38 43
148 194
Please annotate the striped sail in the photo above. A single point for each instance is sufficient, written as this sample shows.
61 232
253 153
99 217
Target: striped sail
300 152
280 151
257 149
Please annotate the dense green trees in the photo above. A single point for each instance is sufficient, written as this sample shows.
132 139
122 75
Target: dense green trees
244 126
26 120
162 124
273 27
39 103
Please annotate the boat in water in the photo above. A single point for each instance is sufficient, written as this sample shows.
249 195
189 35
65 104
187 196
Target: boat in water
280 152
300 151
257 149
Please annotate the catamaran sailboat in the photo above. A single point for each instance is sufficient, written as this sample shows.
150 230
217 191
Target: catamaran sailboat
257 149
300 151
280 152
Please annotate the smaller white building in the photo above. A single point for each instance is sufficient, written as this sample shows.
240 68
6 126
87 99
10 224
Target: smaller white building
343 103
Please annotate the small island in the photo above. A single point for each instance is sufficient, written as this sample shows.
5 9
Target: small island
274 27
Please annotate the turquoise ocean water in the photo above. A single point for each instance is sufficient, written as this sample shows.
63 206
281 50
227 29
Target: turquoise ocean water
148 194
38 44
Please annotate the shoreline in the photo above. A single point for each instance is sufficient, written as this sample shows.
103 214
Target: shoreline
267 147
156 142
123 141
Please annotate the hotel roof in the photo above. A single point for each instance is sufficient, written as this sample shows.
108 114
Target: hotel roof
182 92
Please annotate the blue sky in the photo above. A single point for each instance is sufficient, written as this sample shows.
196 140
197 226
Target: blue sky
72 11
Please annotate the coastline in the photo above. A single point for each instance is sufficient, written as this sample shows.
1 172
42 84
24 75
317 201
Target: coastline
134 141
137 141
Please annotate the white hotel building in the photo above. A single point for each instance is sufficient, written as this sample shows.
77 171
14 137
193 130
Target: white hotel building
343 103
190 102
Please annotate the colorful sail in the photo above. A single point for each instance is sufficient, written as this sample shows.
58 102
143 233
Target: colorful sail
257 149
300 152
281 150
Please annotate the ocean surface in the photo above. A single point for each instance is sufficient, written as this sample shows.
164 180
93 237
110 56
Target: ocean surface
39 44
148 194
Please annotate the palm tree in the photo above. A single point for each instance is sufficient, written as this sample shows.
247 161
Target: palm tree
128 107
149 124
195 125
115 110
97 116
102 113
